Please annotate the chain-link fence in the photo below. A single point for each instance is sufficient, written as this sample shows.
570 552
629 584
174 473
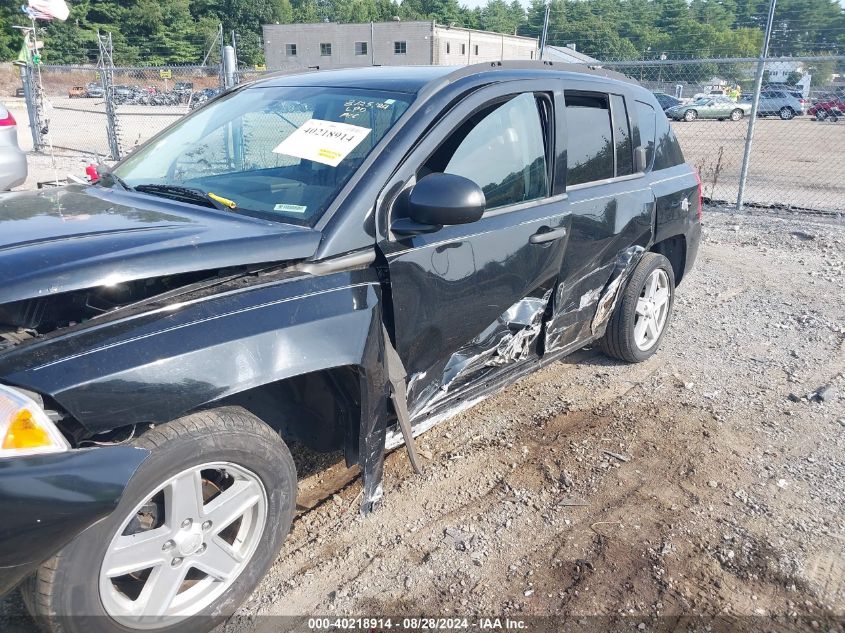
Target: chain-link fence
797 156
796 159
74 104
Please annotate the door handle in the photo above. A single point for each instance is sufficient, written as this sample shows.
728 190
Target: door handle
547 236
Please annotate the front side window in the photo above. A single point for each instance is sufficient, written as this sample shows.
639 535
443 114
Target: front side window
360 48
590 144
325 49
502 149
235 148
622 136
400 48
290 50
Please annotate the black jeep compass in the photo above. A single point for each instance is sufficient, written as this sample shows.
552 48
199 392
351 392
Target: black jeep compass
340 258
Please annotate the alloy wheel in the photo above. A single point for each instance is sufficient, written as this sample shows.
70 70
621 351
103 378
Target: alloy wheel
652 310
182 547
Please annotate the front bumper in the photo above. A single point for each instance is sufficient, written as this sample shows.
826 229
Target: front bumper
47 500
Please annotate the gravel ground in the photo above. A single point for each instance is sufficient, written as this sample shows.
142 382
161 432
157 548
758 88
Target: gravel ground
708 481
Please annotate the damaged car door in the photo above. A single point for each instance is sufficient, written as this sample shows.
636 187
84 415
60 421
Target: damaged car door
469 297
612 206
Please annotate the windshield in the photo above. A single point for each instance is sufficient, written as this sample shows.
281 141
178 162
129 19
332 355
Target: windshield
281 153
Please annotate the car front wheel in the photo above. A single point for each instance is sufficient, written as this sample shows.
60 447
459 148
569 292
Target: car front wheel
643 312
736 115
690 115
197 528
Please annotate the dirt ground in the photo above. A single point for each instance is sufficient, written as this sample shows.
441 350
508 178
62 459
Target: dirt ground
706 482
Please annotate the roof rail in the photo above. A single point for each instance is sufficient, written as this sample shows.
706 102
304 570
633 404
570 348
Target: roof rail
537 64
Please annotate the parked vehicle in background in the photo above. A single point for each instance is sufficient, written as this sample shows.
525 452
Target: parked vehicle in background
823 109
787 104
77 92
203 96
720 108
383 247
184 89
13 168
667 101
94 91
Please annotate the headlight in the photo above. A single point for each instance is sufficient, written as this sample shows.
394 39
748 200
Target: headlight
24 427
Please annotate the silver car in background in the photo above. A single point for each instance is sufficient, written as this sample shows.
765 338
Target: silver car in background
12 159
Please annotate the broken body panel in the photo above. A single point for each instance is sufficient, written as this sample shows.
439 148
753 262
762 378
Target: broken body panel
228 309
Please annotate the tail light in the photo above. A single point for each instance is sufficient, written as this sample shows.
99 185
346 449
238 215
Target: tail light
8 120
700 196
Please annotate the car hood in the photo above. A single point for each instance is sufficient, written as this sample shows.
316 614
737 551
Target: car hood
79 236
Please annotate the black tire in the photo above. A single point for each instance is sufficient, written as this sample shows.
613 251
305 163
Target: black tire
64 595
618 340
737 115
821 115
786 113
690 116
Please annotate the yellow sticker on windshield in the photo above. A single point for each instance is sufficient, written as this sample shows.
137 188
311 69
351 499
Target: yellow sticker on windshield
326 142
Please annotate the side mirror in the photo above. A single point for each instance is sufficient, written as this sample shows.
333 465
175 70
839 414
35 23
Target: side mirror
640 159
439 200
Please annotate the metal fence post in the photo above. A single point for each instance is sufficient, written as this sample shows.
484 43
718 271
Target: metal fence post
31 107
221 72
758 86
107 80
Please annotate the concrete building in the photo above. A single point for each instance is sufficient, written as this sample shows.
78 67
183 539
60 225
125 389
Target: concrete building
419 43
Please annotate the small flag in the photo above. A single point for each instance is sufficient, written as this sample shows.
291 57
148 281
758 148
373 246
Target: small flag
48 9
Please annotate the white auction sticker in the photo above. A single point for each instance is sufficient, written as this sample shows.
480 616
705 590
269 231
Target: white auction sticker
326 142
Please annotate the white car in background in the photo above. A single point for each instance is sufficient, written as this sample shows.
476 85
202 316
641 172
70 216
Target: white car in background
12 159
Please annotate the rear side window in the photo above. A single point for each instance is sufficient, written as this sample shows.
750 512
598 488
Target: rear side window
648 129
622 136
590 143
502 149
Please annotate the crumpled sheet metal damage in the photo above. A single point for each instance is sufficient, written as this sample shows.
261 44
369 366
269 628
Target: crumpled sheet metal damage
626 261
507 340
383 378
568 324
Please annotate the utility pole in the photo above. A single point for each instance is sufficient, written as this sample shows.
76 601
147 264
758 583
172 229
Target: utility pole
758 84
545 29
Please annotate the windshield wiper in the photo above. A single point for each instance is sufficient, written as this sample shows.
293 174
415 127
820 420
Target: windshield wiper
182 194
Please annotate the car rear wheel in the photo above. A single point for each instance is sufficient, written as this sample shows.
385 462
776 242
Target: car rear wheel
737 114
197 528
690 115
643 312
821 115
786 113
